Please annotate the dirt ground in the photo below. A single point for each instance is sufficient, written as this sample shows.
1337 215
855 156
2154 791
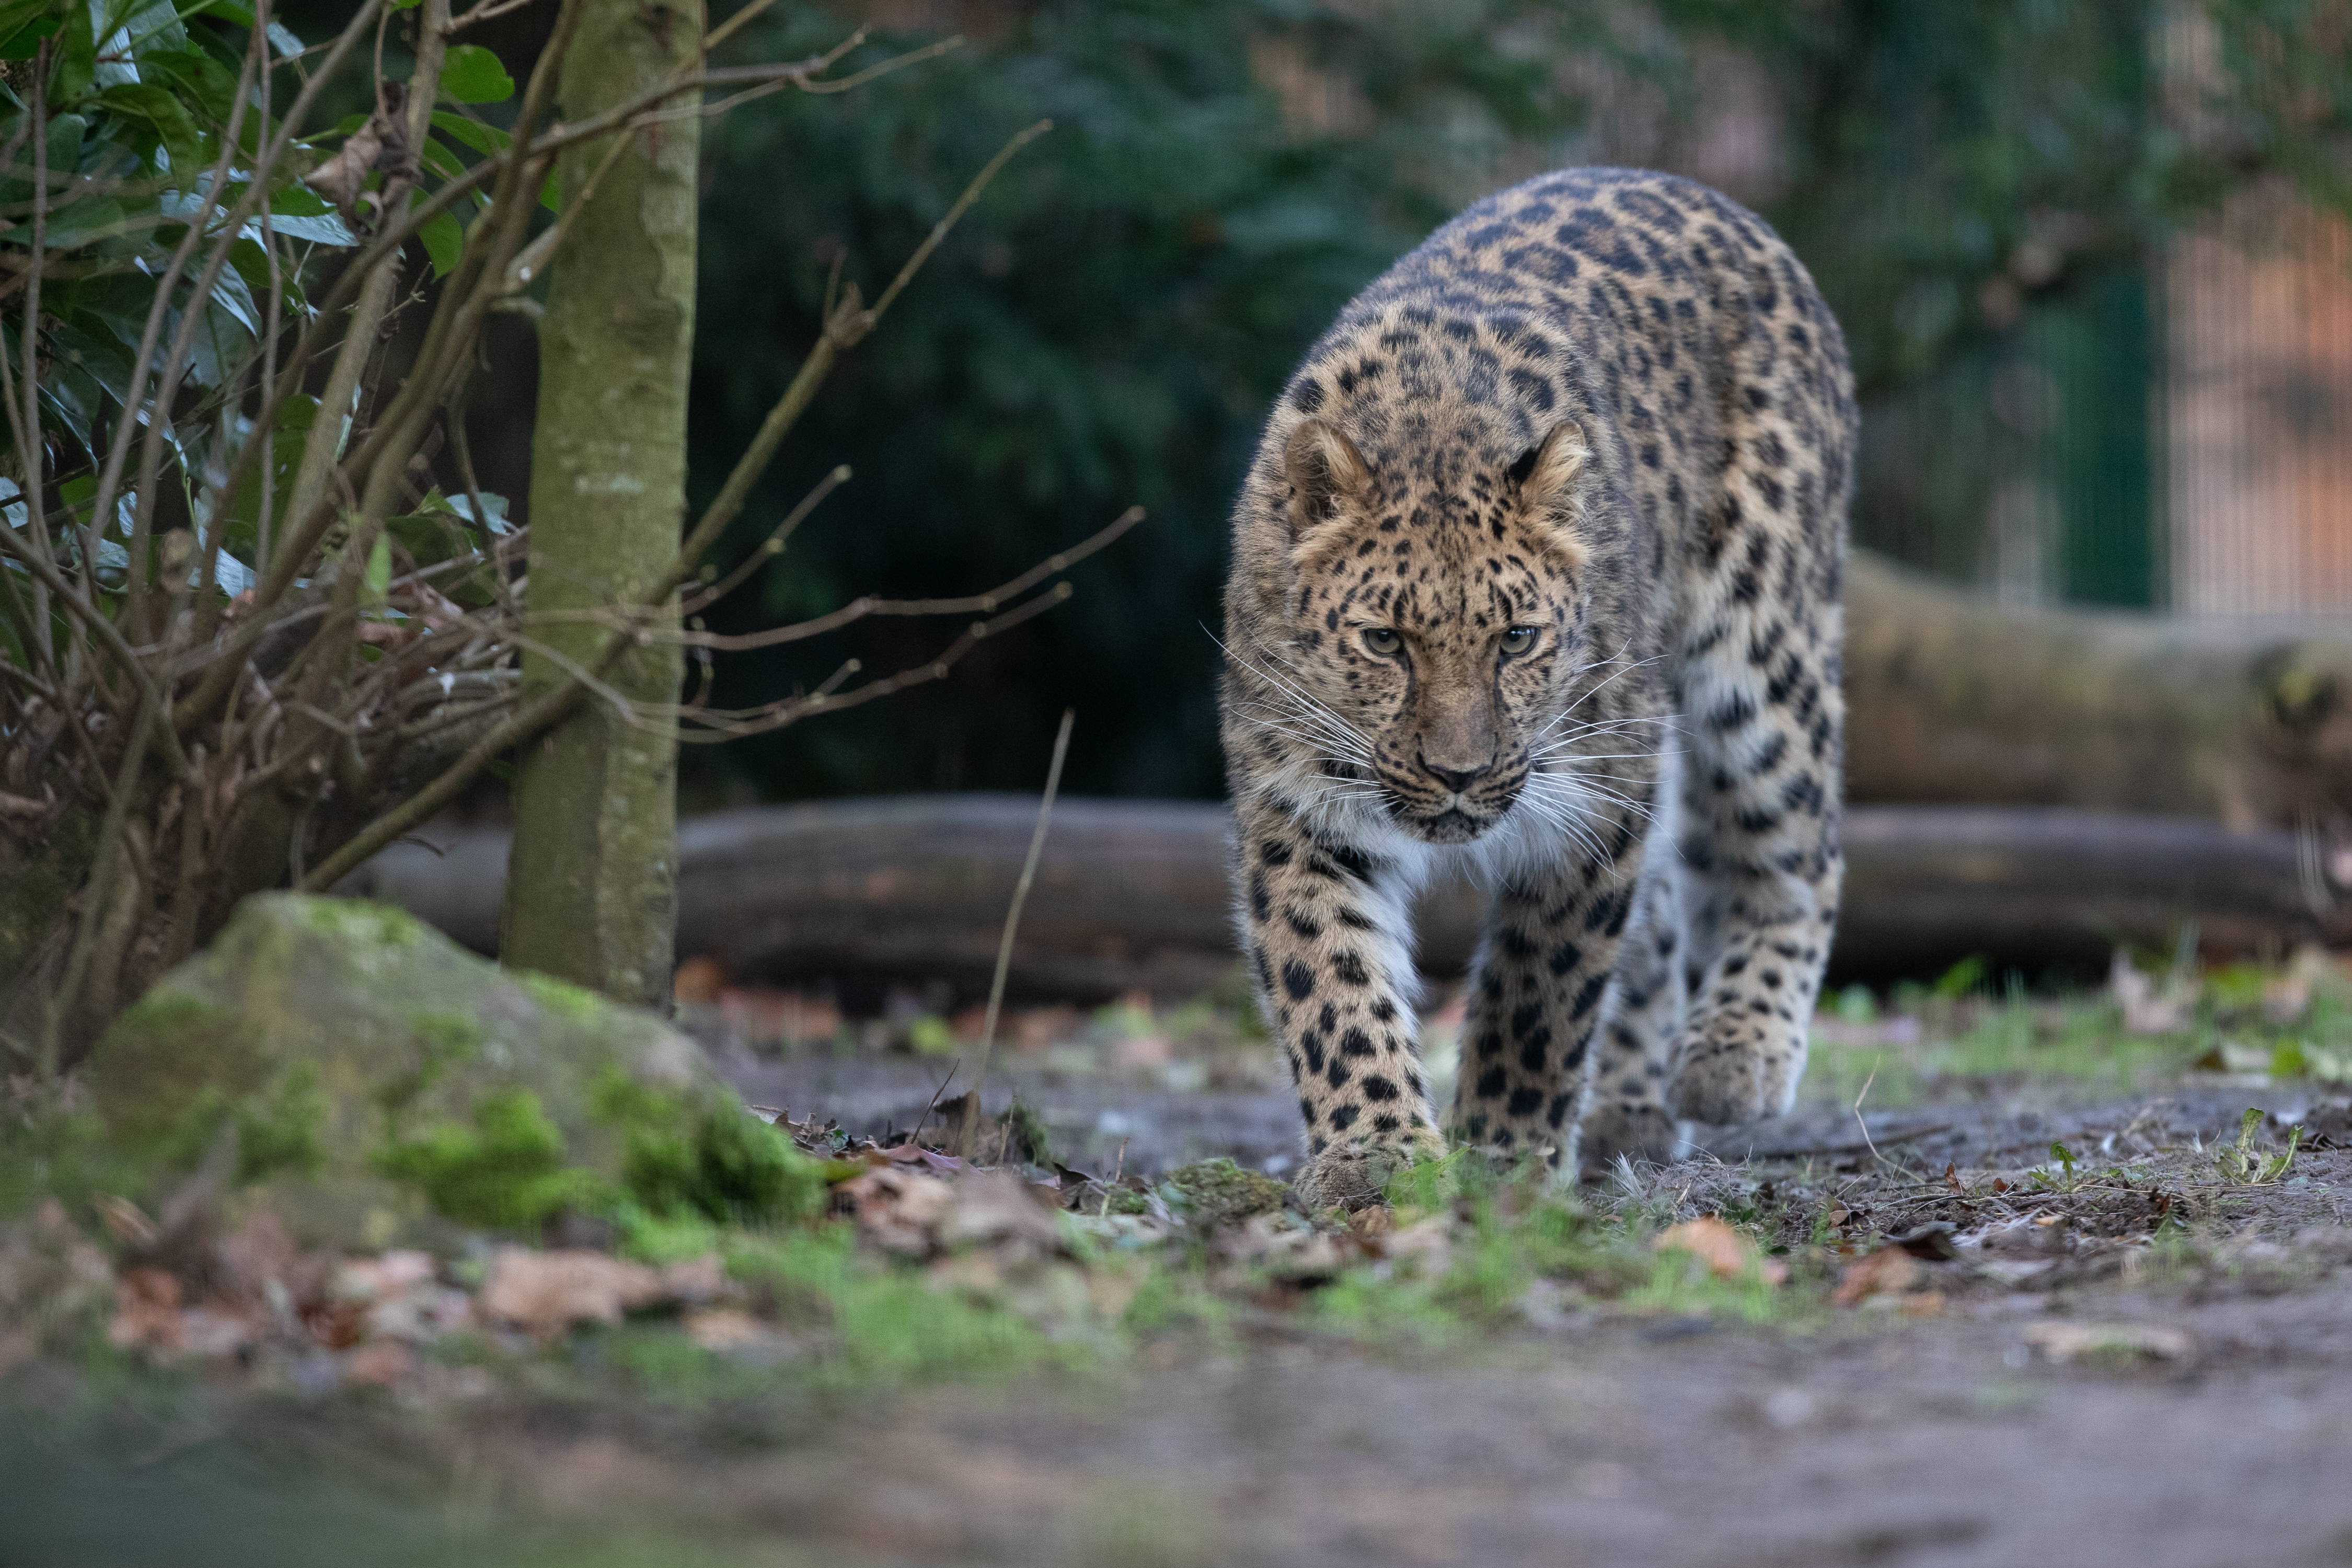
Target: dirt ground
2091 1339
2073 1397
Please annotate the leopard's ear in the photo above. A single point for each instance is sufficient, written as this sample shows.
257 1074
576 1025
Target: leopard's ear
1546 479
1329 480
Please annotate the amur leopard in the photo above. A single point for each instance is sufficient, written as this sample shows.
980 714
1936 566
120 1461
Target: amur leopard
1535 576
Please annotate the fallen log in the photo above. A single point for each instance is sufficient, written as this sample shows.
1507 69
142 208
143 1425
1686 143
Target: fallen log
1131 894
1954 697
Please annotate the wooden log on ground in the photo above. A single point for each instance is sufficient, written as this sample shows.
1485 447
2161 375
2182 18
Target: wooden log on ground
1953 698
1132 895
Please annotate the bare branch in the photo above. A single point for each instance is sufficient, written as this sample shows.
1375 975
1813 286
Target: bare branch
703 598
860 609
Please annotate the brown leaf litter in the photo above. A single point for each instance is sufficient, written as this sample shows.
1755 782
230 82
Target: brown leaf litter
1728 1252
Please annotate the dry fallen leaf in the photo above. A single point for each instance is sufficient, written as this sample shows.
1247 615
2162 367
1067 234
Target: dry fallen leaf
731 1331
999 1210
1728 1253
146 1311
124 1220
897 1209
547 1293
1426 1246
379 1363
2065 1342
1889 1271
1287 1249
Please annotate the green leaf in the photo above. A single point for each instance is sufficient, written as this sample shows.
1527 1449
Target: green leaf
24 25
444 241
97 358
299 212
471 74
440 160
283 41
159 108
77 58
67 132
131 25
72 398
202 77
379 567
470 133
87 222
429 537
494 511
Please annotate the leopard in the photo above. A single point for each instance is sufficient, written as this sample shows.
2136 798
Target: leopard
1535 580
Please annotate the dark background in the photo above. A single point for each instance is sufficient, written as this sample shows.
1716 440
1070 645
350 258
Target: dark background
1985 192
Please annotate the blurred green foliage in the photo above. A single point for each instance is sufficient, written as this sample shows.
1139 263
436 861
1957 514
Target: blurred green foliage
1105 327
1970 183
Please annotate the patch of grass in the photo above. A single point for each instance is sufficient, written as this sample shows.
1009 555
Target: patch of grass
2291 1022
2241 1163
2079 1042
881 1324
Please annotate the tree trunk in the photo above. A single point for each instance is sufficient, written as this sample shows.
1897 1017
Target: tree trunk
592 893
1951 697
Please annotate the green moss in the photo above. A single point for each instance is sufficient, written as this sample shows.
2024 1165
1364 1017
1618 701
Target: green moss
281 1130
707 1157
1218 1192
650 1238
144 1067
443 1039
361 922
560 996
505 1171
170 1012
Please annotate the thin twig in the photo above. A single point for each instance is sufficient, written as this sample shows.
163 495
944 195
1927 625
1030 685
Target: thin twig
917 1134
1020 896
860 609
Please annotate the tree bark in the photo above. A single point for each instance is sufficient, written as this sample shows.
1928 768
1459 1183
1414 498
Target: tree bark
590 892
1951 697
1133 894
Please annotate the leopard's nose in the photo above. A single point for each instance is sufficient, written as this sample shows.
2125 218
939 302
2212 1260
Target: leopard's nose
1457 779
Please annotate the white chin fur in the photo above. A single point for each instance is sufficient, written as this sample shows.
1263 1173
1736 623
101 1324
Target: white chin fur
1522 841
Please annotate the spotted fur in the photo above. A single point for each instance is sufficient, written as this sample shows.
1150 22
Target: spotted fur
1536 575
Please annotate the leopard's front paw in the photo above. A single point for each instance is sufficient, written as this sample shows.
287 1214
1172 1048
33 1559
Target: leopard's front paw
1352 1176
1737 1070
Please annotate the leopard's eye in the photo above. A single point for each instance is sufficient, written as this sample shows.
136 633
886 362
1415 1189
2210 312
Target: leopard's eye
1518 639
1383 640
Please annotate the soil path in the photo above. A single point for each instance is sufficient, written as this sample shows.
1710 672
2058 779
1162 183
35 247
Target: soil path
2076 1399
2059 1391
1939 1443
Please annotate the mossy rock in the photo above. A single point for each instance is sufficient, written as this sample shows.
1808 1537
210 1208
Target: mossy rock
382 1084
1219 1193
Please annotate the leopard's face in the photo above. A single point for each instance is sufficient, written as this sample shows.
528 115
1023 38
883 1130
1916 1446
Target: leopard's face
1435 629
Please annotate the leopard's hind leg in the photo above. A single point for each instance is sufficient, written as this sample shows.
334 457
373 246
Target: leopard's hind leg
1757 679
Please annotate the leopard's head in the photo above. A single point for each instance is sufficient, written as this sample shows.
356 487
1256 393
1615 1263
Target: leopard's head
1435 618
